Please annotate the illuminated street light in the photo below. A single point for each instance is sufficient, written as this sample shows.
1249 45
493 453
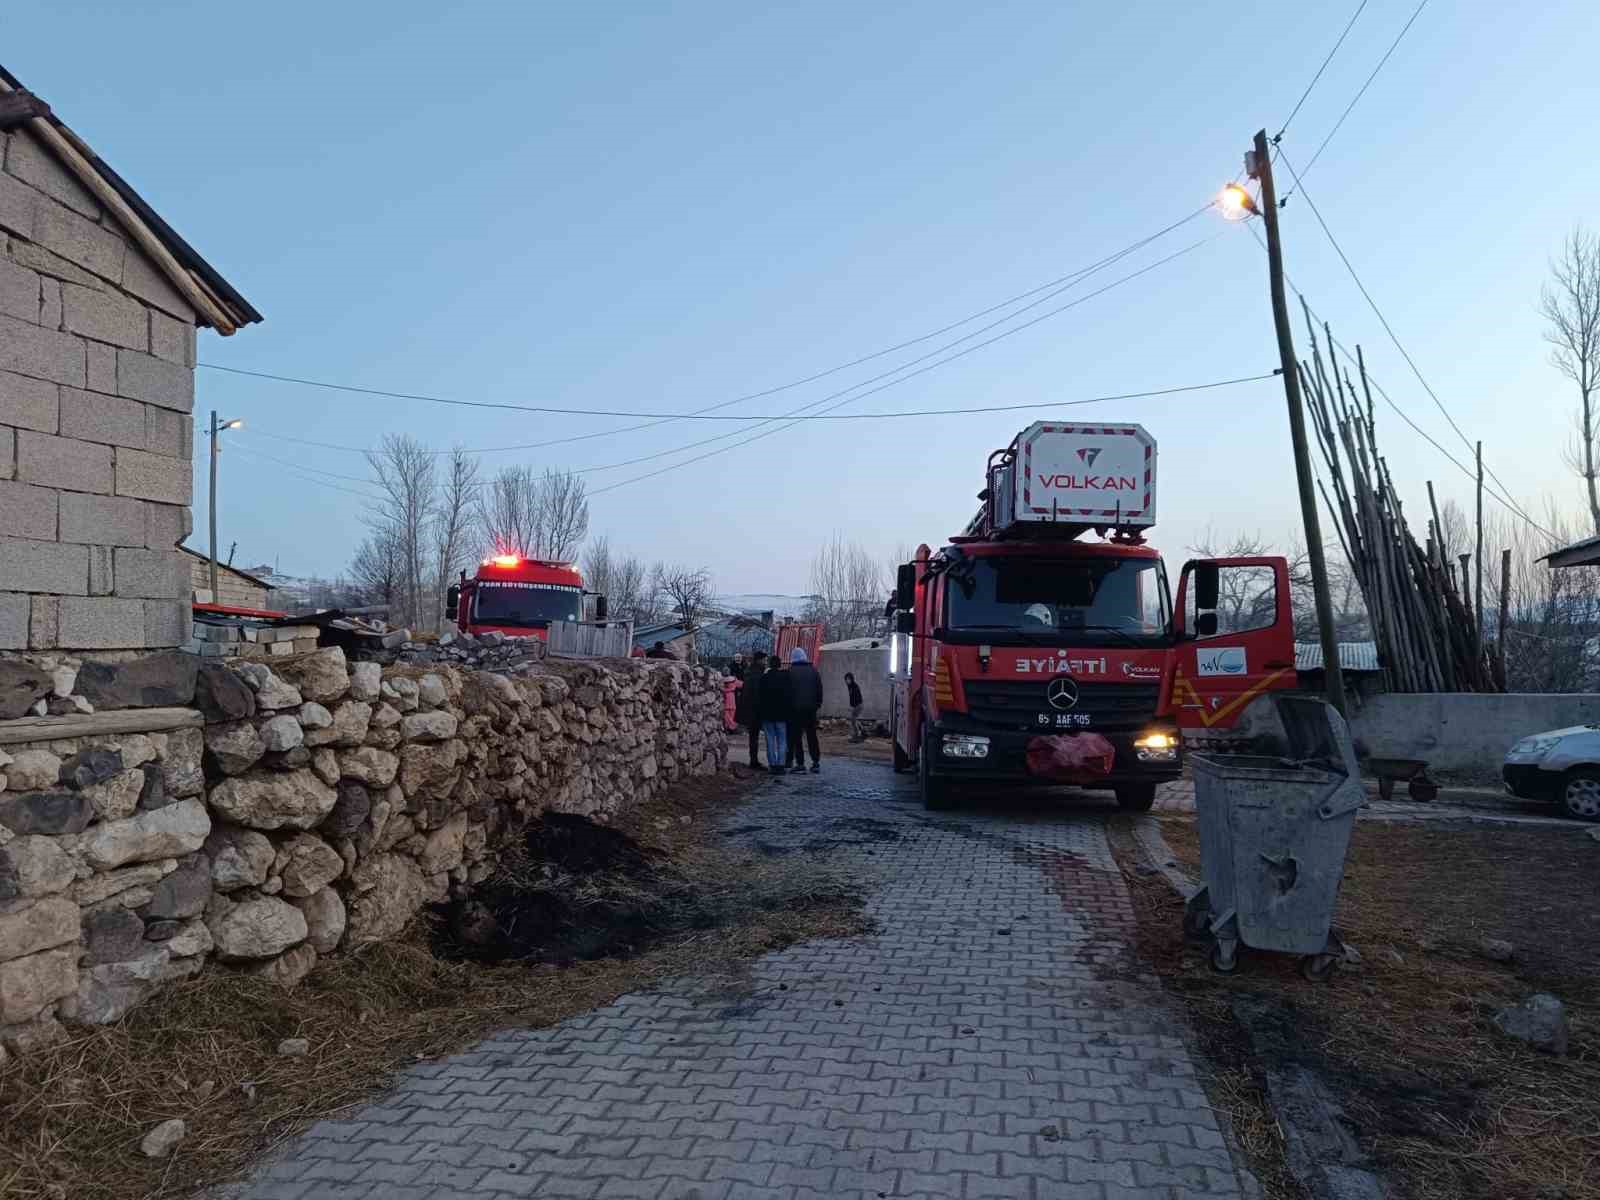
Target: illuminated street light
1236 203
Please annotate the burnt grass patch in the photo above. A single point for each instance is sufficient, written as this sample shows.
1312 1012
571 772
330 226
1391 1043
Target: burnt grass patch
72 1114
575 890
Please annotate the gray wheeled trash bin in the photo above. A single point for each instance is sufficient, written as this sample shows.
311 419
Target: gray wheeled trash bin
1274 831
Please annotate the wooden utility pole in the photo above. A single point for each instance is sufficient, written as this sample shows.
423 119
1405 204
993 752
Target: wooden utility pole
1505 614
212 497
1477 600
1259 165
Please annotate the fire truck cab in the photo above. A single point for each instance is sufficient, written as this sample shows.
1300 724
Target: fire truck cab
520 597
1025 653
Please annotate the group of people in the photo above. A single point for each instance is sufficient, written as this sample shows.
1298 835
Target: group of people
780 704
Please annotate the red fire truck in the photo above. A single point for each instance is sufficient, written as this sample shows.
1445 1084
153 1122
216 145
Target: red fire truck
520 597
1024 651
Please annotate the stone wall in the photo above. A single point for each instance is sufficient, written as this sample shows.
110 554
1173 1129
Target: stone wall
97 357
292 810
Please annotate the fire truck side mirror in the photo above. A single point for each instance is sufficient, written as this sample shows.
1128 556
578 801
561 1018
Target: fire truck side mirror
905 622
1205 624
1206 586
600 608
452 601
905 586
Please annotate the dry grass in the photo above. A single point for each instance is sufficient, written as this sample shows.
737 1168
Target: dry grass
71 1117
1447 1106
1235 1085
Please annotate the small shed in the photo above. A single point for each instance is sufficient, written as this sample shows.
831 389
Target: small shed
235 588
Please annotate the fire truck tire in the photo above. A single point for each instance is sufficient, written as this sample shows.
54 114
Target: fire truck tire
1136 797
937 795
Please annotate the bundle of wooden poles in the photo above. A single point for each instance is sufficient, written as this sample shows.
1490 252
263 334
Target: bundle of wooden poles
1421 614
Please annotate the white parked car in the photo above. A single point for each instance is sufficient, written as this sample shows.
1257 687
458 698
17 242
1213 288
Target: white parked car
1562 765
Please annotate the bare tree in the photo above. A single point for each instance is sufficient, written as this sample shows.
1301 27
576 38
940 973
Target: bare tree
598 566
376 573
1553 633
686 591
507 511
848 586
563 515
405 473
452 520
1570 304
541 516
631 596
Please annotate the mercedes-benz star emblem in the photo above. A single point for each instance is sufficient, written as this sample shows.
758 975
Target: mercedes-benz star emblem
1062 692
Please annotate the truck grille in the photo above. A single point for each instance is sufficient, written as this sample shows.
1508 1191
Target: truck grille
1008 704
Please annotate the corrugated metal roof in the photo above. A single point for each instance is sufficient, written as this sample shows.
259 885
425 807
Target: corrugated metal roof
1353 656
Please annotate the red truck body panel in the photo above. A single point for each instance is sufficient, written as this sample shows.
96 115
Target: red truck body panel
519 596
1024 639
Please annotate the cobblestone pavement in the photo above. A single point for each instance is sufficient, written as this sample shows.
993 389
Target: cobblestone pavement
993 1038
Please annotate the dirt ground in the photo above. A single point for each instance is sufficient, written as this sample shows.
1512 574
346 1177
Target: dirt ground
1444 1104
585 914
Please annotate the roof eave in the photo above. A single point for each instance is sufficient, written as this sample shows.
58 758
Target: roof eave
217 303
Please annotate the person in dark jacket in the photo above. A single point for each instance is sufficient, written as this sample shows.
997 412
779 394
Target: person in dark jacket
856 705
659 650
747 710
806 696
775 705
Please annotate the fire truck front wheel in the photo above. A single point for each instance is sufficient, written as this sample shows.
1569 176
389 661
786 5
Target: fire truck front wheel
936 792
1135 797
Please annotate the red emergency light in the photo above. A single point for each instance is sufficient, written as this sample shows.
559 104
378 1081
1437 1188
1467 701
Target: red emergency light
502 560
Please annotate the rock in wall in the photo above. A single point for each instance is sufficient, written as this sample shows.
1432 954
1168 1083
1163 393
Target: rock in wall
314 805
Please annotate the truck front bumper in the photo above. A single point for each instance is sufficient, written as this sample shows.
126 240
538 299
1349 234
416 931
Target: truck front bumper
1006 759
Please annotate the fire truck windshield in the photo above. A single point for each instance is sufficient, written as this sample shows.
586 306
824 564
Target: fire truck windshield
509 602
1090 600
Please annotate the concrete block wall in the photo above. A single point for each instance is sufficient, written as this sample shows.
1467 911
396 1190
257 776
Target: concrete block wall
233 589
97 359
870 665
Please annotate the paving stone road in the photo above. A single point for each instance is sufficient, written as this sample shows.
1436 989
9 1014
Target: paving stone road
993 1038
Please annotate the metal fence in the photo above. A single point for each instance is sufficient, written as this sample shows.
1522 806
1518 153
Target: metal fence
586 639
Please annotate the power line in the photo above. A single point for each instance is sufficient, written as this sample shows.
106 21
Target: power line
874 416
794 415
793 418
1348 27
300 466
1351 106
1059 284
295 469
1387 328
1340 348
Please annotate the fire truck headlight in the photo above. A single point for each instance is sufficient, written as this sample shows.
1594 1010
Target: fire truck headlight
965 745
1158 745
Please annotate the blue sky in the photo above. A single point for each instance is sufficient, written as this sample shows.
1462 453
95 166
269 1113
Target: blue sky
659 207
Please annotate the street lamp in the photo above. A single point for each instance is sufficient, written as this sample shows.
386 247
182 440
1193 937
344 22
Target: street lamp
1236 204
216 428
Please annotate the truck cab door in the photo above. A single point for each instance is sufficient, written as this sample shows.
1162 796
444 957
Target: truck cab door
1235 625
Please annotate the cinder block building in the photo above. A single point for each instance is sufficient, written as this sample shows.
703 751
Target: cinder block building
235 588
100 301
